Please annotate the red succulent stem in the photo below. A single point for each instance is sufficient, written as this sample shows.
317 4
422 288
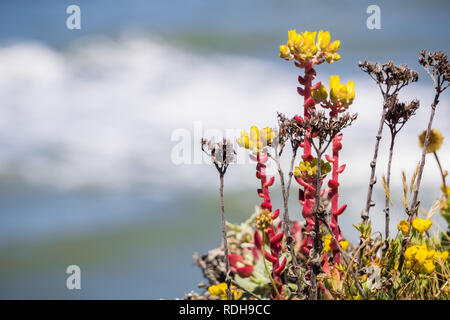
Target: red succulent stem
275 237
262 158
307 196
333 194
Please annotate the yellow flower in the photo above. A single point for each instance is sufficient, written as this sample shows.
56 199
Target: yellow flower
327 242
334 88
243 141
341 93
344 244
410 253
435 141
323 40
309 168
284 52
443 256
303 47
421 255
421 225
428 267
267 136
334 47
220 290
257 139
403 226
320 94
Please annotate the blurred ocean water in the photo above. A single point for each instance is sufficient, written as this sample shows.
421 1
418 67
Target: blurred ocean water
87 120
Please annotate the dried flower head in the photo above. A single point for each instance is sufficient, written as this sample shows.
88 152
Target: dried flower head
389 76
290 129
435 141
222 154
436 64
398 113
325 128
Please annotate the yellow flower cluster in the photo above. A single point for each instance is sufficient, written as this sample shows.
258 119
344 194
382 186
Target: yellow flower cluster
327 239
422 260
257 139
421 225
307 168
220 290
342 93
403 226
303 47
435 141
263 220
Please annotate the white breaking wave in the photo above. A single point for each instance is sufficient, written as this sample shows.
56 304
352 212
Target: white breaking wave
102 114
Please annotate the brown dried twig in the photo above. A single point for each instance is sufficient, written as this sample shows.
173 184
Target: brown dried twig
222 155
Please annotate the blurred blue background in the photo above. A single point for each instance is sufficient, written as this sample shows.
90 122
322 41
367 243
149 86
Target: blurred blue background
88 122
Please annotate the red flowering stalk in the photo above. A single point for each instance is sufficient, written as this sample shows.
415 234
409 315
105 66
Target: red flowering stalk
307 53
333 194
264 223
257 141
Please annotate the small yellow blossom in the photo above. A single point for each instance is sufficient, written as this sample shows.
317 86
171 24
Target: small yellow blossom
421 255
403 226
323 40
410 253
443 256
263 221
327 242
341 93
284 52
421 225
344 244
428 267
257 140
220 290
435 141
320 94
307 169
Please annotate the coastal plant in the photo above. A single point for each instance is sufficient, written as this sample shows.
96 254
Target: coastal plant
437 67
271 256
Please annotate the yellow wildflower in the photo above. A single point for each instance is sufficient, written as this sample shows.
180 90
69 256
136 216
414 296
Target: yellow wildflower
220 290
435 141
334 47
267 136
284 52
257 139
421 255
309 168
443 256
344 244
421 225
410 253
428 267
320 94
323 40
403 226
327 242
341 93
303 47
